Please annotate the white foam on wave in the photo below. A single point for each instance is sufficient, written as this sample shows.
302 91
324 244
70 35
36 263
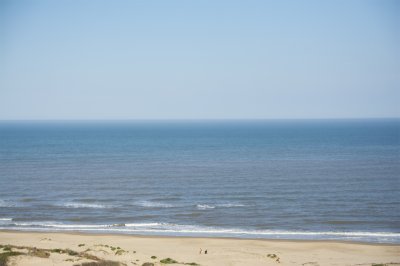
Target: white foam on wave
84 205
35 224
153 204
175 228
143 224
5 221
57 225
158 204
171 229
82 226
231 205
222 205
7 203
205 206
238 232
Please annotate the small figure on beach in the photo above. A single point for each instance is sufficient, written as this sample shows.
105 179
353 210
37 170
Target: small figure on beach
200 251
205 252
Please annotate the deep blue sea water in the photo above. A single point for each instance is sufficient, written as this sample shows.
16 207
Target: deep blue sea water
291 179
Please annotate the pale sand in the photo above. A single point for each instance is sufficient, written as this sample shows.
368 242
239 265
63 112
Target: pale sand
221 251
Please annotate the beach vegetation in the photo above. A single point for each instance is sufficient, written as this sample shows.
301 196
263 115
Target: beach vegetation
57 250
45 253
172 261
89 256
81 245
153 257
39 253
274 257
6 248
148 264
5 255
168 261
71 252
120 252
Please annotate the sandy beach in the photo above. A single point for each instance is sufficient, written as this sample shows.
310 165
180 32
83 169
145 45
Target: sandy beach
42 248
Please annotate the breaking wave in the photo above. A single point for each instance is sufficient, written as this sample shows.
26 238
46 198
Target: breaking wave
222 205
154 204
7 203
84 205
204 206
194 230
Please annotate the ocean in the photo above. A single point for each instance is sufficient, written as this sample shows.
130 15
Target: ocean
274 179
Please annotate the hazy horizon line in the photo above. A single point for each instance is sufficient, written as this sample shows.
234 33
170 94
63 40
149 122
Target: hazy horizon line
193 119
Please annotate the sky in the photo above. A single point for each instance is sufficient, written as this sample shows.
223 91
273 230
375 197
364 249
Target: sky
199 59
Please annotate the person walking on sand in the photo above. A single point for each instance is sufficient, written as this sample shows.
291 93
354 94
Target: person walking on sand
205 252
200 251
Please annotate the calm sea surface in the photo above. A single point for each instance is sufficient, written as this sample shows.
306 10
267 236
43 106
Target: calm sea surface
305 179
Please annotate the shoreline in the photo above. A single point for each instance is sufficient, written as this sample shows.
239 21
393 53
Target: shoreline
138 249
82 233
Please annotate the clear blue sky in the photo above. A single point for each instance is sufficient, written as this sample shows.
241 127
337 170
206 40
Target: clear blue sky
199 59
